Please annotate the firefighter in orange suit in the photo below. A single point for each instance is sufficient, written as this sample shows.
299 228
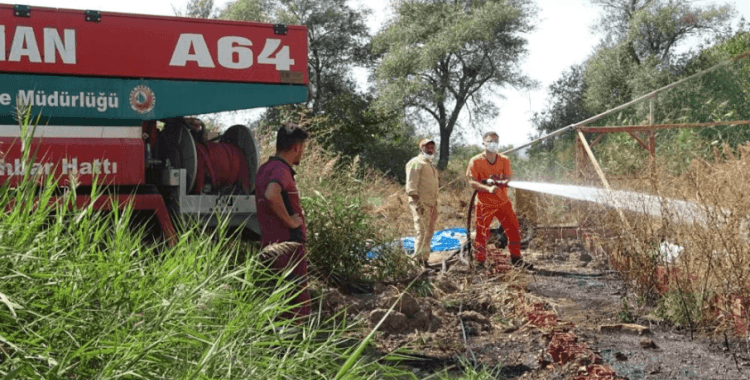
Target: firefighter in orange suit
492 200
422 188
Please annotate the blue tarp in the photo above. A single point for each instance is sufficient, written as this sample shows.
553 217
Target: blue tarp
444 240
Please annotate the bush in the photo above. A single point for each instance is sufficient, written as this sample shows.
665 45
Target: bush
339 235
680 308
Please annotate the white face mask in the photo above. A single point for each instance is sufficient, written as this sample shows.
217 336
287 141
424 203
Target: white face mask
428 156
492 146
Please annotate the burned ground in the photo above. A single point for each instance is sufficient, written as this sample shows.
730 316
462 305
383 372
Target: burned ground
466 316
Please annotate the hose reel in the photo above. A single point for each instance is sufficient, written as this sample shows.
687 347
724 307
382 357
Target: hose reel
227 163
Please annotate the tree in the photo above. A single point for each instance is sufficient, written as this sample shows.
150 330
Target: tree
337 36
250 10
655 27
441 57
606 78
723 94
196 8
564 104
637 54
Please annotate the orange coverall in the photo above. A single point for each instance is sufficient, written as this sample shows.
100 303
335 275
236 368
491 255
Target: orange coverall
497 205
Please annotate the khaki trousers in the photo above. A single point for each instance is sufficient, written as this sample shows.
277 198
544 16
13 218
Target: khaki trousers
424 224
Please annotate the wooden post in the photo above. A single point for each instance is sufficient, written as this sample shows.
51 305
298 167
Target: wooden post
600 172
594 162
581 161
651 111
597 139
638 140
651 140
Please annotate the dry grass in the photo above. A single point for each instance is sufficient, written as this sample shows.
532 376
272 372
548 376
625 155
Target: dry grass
708 283
382 197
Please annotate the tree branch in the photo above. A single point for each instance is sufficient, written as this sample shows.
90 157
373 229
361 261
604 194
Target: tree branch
431 112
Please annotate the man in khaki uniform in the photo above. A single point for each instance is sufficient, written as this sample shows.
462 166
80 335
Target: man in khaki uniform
422 188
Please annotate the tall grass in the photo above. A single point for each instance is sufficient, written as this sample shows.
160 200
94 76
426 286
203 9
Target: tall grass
82 298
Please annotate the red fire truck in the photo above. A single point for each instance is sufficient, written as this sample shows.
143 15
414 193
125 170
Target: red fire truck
113 91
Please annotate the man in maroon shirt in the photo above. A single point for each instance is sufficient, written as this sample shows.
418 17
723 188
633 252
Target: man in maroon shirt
280 212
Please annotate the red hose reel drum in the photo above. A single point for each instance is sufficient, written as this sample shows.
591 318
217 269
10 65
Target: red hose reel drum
228 164
225 165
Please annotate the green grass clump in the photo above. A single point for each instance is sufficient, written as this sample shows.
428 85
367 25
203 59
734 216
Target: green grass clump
81 297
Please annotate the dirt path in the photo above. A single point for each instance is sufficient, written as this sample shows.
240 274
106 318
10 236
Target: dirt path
591 298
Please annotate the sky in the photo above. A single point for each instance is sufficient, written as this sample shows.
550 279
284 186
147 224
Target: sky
562 38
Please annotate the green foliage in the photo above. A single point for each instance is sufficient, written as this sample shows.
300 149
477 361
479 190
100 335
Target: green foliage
606 79
640 56
621 155
337 115
339 235
198 9
736 45
466 152
625 316
248 10
88 300
338 39
565 106
551 165
720 95
474 371
355 129
680 308
389 154
351 128
424 288
657 27
437 56
390 263
677 148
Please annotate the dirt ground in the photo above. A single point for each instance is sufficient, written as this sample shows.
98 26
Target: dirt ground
591 298
467 315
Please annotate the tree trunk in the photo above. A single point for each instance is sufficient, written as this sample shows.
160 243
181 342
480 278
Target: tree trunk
445 148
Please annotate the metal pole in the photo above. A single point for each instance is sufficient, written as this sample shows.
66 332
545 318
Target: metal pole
646 128
630 103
